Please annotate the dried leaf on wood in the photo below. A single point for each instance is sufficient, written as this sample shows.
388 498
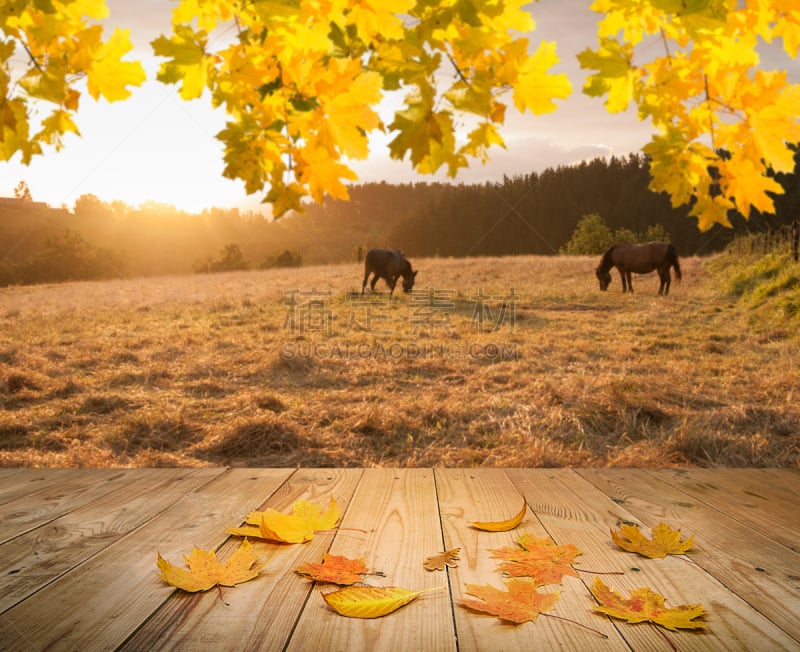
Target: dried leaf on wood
443 559
205 571
297 527
520 603
665 541
645 605
336 569
538 558
502 526
369 601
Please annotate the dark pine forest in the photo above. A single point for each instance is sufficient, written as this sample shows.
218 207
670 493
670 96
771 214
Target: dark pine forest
535 213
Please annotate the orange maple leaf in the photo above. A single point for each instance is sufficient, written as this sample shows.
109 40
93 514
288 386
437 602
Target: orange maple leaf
205 571
538 558
502 526
335 569
520 603
442 560
297 527
645 605
665 541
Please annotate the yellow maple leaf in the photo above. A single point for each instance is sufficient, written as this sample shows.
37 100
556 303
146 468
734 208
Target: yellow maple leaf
615 73
297 527
748 186
665 541
537 87
205 570
109 76
348 111
646 606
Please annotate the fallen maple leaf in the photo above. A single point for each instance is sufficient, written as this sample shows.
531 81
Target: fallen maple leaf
502 526
297 527
645 605
335 569
370 601
205 571
442 560
538 558
665 541
520 603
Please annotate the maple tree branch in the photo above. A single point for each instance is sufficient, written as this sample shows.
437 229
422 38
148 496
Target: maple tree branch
666 45
710 118
458 70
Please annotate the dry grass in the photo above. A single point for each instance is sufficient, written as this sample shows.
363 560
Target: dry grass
189 371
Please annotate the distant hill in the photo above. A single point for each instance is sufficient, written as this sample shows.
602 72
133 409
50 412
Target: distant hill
532 213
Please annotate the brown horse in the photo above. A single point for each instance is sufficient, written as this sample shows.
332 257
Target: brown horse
389 265
639 259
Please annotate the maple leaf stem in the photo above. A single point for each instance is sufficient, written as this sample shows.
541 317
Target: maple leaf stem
594 572
575 622
665 637
222 599
340 529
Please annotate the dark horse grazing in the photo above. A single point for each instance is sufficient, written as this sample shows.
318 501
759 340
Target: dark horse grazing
639 259
388 265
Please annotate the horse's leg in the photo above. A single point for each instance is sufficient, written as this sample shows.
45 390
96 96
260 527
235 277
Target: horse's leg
623 279
630 281
392 282
374 281
364 283
667 281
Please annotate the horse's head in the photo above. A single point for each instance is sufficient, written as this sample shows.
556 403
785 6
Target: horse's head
604 277
408 281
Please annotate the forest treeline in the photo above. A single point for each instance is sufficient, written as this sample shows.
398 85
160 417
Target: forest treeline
534 213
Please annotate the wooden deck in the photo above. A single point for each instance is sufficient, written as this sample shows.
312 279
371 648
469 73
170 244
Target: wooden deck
78 557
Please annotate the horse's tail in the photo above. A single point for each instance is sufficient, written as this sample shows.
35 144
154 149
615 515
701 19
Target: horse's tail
672 256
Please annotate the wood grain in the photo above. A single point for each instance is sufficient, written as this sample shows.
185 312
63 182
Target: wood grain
203 621
118 588
400 513
77 567
727 551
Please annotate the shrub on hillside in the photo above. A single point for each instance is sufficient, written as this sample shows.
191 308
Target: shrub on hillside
285 258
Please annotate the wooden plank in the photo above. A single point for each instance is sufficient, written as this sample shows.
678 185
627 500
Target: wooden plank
259 614
468 495
34 559
399 509
35 509
44 486
758 569
764 499
99 604
590 514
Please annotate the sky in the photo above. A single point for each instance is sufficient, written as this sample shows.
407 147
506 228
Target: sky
157 147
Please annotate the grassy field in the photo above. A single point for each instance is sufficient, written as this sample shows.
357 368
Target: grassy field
492 362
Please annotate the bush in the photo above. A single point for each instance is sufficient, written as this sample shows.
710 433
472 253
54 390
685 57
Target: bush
230 260
69 257
592 236
285 258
